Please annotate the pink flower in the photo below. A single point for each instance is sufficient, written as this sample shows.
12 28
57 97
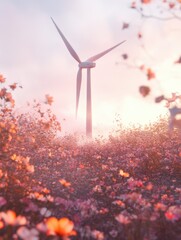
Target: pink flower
122 219
49 99
2 79
173 213
10 218
28 234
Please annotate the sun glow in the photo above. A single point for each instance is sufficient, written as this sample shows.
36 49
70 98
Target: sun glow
137 111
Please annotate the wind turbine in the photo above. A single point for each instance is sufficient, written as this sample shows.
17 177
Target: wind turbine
88 64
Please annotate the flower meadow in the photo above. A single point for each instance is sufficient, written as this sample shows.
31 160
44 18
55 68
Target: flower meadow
127 187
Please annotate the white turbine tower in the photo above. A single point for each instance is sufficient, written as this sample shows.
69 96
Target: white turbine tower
88 64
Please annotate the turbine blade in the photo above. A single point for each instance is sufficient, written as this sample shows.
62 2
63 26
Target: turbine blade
79 81
67 44
96 57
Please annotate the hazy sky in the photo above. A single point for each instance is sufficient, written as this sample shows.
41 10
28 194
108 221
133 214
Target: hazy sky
33 54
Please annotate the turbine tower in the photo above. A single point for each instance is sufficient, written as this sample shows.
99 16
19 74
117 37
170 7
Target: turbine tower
88 64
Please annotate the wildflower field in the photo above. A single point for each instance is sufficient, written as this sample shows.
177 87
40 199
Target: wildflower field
127 187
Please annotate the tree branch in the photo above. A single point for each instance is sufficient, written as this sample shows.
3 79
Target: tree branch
174 16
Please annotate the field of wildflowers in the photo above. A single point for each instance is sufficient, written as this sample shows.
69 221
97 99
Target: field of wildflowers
127 187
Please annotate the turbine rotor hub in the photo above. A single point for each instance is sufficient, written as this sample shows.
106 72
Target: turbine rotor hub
87 65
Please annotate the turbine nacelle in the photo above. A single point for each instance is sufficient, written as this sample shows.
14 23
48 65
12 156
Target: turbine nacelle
87 64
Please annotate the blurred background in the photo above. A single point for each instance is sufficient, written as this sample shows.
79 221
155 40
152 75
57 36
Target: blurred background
33 55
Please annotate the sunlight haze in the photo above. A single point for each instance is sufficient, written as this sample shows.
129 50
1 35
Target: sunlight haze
33 54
